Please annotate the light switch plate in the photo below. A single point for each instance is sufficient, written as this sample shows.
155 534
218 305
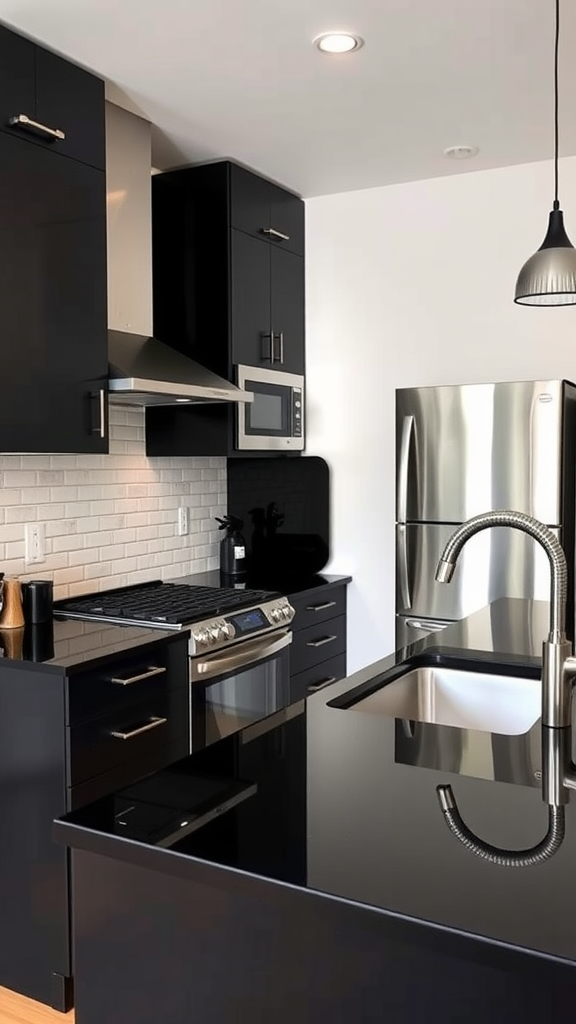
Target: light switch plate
183 521
34 537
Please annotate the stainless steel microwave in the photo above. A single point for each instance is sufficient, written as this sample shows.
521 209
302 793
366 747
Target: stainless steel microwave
275 420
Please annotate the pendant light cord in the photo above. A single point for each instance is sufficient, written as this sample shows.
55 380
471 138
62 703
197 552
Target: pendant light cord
556 46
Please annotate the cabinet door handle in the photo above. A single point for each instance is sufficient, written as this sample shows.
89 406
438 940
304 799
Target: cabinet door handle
152 670
320 643
101 428
23 121
314 687
276 234
268 356
280 358
152 724
320 607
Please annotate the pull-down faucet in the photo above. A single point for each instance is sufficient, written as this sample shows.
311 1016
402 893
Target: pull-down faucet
558 676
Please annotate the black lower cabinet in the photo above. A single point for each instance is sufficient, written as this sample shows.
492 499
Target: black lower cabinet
58 751
318 651
168 938
35 953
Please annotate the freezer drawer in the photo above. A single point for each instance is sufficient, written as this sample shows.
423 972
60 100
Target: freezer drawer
499 562
410 629
462 450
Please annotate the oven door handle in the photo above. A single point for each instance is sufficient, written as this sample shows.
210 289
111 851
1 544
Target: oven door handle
247 653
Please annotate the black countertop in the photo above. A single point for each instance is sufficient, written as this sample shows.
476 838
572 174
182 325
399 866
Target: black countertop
274 583
64 644
373 832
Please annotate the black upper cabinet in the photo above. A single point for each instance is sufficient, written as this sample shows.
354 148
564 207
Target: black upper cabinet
17 77
43 97
267 305
251 337
287 309
225 291
71 100
52 301
265 210
53 250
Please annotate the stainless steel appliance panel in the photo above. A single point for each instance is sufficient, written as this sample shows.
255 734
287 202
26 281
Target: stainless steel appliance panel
465 450
235 688
495 563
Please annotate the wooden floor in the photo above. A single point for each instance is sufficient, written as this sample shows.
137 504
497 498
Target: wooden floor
15 1009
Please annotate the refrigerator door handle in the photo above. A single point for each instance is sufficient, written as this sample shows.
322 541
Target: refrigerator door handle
405 442
403 568
431 625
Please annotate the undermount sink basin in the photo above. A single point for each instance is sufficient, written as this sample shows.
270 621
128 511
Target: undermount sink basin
467 699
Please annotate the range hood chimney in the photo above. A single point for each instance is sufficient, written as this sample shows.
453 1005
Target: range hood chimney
142 369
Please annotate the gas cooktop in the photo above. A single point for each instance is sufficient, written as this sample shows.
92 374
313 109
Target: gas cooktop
158 604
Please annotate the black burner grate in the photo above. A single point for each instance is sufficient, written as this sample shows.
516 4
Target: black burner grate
170 603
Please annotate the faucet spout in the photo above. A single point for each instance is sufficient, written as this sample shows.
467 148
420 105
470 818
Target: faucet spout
527 524
558 675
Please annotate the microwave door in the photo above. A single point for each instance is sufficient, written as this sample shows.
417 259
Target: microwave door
275 420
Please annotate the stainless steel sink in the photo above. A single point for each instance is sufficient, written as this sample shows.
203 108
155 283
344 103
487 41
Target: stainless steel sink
482 701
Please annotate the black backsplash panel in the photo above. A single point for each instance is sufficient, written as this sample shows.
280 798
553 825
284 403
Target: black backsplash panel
285 507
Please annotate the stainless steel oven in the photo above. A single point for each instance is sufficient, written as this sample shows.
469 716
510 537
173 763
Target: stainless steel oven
235 687
275 420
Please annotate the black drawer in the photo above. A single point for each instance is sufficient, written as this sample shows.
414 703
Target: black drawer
135 676
312 680
317 643
127 733
317 605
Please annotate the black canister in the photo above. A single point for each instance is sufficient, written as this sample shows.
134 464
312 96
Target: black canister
37 600
232 547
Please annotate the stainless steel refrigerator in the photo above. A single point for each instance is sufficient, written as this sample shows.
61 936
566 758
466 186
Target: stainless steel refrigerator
462 450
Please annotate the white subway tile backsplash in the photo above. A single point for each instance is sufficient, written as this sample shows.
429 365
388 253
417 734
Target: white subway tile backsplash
111 520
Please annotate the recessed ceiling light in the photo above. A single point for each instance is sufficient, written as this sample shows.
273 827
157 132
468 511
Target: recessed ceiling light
183 399
338 42
461 152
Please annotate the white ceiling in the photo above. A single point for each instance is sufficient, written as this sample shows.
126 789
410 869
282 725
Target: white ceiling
239 78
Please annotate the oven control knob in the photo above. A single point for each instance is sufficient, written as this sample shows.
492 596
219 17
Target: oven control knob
227 631
200 636
214 634
275 614
286 612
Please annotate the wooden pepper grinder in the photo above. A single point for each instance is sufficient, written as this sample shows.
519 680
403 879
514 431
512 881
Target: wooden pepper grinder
12 616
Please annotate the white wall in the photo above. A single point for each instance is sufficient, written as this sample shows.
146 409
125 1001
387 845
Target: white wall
412 285
111 519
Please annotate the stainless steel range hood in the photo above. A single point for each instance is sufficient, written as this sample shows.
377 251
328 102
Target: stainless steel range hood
142 369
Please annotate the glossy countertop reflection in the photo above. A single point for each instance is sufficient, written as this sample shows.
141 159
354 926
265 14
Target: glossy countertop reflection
274 583
64 644
370 828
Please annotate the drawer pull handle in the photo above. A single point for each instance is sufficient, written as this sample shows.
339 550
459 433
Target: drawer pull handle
314 687
276 234
23 121
127 680
320 607
152 724
320 643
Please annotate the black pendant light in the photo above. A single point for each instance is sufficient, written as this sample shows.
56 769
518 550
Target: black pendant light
548 278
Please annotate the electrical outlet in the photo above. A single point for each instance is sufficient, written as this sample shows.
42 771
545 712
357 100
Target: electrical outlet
183 521
34 543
